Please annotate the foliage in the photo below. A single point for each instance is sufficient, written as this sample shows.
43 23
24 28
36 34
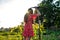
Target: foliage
50 12
17 35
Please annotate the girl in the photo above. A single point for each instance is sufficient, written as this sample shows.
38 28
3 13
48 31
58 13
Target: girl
28 19
28 29
36 14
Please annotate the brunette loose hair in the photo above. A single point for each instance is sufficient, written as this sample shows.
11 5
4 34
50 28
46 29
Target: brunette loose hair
27 14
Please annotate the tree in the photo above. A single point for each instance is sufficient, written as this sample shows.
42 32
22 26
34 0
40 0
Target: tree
50 12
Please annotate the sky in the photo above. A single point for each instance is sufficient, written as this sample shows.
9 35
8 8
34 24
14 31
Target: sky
12 11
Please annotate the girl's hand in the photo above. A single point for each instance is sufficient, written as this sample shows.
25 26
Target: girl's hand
34 21
38 14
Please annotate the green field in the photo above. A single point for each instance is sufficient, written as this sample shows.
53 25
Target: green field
49 35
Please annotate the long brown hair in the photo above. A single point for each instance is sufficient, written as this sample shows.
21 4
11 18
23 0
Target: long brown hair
27 14
35 11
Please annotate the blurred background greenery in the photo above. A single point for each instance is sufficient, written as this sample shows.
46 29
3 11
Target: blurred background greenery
49 27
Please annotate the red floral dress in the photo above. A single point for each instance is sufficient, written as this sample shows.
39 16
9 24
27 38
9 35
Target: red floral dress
28 29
